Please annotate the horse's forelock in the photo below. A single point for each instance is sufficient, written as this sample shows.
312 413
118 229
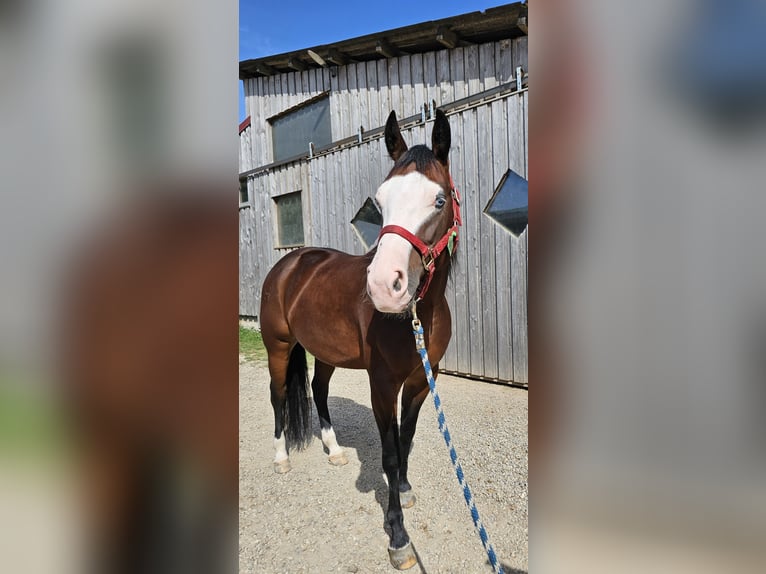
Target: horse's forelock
424 161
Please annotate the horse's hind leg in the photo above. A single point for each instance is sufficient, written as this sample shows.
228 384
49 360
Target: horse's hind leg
279 356
320 386
413 394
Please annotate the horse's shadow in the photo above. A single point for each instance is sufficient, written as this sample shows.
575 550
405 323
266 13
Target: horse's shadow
355 428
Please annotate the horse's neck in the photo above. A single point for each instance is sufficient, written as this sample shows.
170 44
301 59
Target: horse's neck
439 282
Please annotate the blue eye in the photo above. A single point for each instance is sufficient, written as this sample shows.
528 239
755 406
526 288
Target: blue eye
440 201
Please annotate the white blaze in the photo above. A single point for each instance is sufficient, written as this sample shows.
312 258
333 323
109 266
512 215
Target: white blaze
406 201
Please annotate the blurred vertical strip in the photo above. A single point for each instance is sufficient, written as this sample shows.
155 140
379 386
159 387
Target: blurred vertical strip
647 286
118 315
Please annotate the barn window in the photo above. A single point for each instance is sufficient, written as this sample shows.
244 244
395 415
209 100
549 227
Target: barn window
289 209
367 223
244 195
509 205
294 129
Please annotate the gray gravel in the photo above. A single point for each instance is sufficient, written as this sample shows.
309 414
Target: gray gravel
319 518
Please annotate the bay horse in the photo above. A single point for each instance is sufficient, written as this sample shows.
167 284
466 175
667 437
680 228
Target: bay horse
352 312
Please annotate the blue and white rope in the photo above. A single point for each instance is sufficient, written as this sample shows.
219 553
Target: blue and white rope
417 329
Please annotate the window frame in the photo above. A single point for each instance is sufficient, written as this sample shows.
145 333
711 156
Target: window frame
243 182
276 212
289 111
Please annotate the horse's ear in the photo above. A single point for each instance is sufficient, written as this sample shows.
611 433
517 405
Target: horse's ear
441 137
395 143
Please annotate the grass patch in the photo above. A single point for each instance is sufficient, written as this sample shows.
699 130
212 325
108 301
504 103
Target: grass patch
31 424
252 349
251 345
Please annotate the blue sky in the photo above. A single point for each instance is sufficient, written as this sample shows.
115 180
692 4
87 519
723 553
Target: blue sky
274 27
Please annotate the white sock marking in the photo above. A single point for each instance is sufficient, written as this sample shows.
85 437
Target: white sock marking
279 445
328 438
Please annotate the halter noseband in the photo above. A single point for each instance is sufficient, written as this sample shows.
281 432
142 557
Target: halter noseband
429 255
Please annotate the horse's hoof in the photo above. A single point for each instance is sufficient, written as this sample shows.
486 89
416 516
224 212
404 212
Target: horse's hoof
282 466
407 498
402 558
338 459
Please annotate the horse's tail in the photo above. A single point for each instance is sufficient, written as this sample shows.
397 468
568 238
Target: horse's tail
297 410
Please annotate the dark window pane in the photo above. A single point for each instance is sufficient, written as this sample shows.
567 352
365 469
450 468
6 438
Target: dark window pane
368 221
289 220
509 205
292 133
243 195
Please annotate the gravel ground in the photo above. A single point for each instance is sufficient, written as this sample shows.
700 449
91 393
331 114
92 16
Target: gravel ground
319 518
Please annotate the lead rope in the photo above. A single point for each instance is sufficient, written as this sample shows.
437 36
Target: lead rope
420 343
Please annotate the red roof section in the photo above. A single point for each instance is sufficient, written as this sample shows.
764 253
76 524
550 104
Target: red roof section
245 124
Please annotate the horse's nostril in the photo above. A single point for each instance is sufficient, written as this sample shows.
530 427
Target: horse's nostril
397 285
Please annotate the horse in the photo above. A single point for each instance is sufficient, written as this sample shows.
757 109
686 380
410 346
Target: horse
352 312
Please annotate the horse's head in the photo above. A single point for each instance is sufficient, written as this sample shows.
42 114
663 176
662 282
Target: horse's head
420 217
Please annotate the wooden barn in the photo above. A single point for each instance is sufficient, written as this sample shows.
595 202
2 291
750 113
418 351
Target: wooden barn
312 154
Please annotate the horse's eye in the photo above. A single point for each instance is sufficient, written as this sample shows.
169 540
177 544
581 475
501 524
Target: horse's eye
440 201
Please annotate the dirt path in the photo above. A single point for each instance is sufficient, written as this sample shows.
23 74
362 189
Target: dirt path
319 518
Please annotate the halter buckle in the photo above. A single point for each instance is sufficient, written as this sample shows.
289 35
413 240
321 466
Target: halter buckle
428 260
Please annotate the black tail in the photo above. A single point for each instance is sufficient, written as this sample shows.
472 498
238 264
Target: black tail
297 413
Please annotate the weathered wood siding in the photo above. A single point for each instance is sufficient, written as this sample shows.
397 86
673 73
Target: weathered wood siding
488 290
246 150
363 93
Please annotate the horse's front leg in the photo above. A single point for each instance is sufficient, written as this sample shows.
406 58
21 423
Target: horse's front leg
400 550
414 393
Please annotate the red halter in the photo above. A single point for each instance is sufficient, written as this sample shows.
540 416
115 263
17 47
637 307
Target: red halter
429 255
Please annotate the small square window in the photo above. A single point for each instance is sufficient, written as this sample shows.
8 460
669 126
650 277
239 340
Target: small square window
367 223
289 211
509 206
244 195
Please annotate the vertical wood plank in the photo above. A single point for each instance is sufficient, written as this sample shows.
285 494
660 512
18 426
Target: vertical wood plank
486 245
335 106
354 100
457 73
395 87
472 70
472 241
429 79
520 54
373 97
504 70
384 92
344 118
446 92
519 310
502 247
362 98
405 82
487 66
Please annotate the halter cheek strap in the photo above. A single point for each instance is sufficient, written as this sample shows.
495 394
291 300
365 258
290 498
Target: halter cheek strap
429 255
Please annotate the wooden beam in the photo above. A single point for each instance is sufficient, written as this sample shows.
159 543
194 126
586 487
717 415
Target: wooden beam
337 57
521 24
385 48
317 58
296 65
265 69
447 37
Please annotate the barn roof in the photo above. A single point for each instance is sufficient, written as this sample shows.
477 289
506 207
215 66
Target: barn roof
508 21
